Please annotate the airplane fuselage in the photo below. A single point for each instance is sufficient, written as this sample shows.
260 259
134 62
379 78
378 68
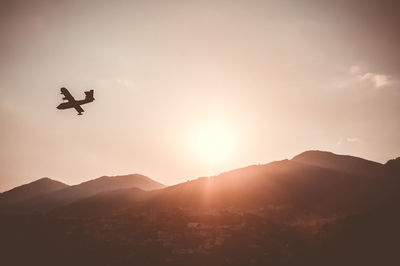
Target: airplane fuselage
72 104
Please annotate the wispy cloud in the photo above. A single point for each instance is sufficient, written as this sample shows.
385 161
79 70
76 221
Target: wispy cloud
127 83
349 140
355 70
378 80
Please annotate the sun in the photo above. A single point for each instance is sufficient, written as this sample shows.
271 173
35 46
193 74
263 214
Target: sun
213 142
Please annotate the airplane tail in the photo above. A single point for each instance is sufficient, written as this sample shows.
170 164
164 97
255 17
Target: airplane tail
89 96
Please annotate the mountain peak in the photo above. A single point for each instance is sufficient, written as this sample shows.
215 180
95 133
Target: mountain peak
393 166
44 180
393 161
38 187
317 154
125 181
87 189
341 163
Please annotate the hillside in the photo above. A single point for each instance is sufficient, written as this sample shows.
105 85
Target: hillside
290 212
342 163
70 194
103 204
293 186
284 183
31 190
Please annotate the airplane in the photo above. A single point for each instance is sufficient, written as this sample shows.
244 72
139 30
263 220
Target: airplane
72 103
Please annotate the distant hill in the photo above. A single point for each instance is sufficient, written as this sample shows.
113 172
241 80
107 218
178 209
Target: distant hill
342 163
313 183
28 191
87 189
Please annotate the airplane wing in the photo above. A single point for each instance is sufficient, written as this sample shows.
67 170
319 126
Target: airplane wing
79 109
67 95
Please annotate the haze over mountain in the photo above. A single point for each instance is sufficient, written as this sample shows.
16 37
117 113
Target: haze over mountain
33 189
52 199
310 182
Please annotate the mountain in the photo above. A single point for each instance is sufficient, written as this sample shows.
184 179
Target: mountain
281 184
342 163
316 209
316 182
28 191
300 186
86 189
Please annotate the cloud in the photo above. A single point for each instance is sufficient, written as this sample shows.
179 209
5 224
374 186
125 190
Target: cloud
349 140
127 83
355 70
378 80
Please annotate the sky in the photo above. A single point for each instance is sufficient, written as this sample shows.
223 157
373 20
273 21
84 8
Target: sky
192 88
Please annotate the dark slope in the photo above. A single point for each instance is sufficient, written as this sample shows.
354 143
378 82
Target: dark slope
87 189
342 163
283 183
366 238
299 188
314 182
103 204
28 191
393 167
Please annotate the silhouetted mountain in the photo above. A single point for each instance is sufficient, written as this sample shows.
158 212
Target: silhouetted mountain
342 163
300 188
285 183
317 209
394 166
28 191
87 189
310 182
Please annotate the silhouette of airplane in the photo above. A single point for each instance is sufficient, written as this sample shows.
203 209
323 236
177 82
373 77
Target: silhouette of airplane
72 103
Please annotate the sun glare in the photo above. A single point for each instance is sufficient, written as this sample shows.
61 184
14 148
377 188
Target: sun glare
213 142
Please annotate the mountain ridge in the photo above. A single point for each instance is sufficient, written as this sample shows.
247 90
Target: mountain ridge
288 212
280 183
48 201
26 191
310 180
343 163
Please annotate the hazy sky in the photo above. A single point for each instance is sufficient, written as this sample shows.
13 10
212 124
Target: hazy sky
270 79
